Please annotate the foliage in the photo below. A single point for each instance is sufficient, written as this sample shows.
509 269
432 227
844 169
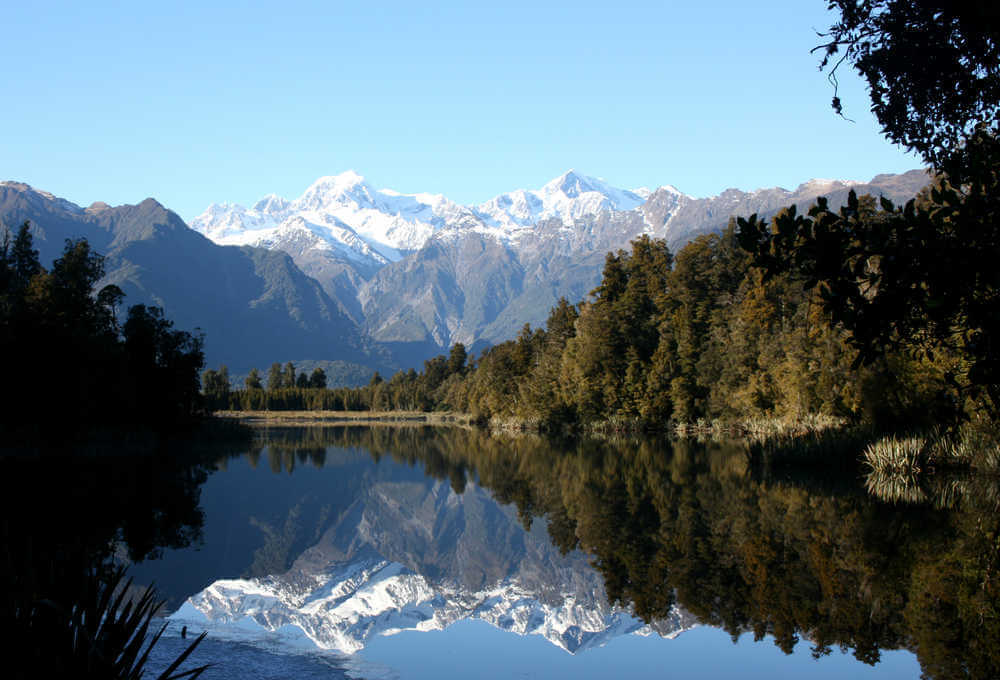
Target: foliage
64 612
252 381
920 279
104 634
59 332
932 68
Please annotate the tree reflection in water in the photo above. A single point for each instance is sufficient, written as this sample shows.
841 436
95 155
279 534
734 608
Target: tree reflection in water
743 547
68 522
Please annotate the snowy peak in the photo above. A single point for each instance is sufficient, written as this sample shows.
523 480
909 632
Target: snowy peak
386 223
231 224
335 192
571 184
591 190
272 203
567 197
394 223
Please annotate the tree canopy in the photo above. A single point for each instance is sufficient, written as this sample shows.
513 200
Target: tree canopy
921 277
932 68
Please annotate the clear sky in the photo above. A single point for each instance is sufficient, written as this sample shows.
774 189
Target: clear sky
201 102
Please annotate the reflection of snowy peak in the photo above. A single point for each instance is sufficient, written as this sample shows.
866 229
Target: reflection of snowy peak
417 557
351 604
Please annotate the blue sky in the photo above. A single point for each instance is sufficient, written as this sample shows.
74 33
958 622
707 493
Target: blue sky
194 103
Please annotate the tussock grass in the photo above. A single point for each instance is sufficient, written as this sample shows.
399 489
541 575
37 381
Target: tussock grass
975 446
105 632
938 467
617 424
948 490
899 455
895 487
759 429
978 446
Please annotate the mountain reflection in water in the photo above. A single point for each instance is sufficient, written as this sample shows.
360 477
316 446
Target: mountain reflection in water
358 532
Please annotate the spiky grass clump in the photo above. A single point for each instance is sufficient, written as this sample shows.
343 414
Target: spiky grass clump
104 633
899 455
977 447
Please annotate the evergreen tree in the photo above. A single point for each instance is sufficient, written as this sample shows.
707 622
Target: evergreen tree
318 379
275 378
456 359
252 381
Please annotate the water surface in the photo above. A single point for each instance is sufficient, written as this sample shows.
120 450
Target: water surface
427 552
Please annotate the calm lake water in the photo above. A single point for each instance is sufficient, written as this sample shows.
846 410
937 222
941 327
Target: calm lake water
434 553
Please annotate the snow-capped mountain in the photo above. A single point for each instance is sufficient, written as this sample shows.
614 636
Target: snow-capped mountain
567 197
344 213
342 231
347 215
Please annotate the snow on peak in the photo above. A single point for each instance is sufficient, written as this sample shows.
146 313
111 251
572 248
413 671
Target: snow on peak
272 203
570 196
669 188
334 191
820 186
381 225
393 223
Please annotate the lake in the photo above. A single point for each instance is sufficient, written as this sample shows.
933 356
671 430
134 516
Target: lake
418 552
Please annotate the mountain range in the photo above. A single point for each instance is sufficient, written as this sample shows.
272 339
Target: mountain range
381 279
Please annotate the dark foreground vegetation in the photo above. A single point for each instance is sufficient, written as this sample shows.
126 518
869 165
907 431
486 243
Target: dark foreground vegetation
70 365
69 524
84 477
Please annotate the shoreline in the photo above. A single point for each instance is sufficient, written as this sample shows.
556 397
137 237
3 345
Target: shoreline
349 418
